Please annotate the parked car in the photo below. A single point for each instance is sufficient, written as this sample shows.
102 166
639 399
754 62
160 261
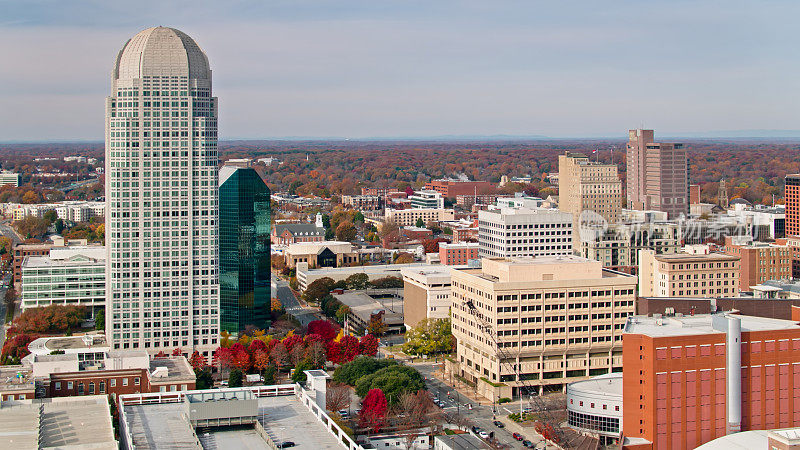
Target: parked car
527 444
483 434
476 429
517 436
286 444
498 424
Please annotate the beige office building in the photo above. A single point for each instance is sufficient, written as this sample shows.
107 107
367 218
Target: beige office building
408 217
657 174
696 272
558 318
426 294
587 186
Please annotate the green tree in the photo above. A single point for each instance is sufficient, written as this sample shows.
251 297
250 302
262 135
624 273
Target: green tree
318 289
50 216
269 375
357 281
100 320
299 374
420 223
351 372
358 217
428 337
235 378
59 224
204 380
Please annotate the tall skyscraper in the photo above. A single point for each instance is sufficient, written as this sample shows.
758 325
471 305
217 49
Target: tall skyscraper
658 174
792 201
586 187
161 197
244 249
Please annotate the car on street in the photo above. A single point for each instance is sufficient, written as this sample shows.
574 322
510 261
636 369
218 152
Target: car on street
476 429
528 444
517 436
498 424
483 434
286 444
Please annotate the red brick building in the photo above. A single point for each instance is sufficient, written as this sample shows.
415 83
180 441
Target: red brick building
759 261
458 254
691 379
451 188
23 250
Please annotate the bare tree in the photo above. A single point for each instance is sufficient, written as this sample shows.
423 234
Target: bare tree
337 396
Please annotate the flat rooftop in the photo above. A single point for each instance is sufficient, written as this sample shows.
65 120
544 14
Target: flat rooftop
284 418
379 269
45 345
363 305
66 422
699 324
178 369
688 257
608 385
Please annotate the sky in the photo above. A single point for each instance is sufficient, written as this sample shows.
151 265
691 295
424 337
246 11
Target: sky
406 68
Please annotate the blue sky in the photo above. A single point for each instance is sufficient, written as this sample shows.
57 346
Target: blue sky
420 68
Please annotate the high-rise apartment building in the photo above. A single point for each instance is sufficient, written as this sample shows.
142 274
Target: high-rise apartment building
657 174
792 199
244 249
511 232
161 197
556 319
586 186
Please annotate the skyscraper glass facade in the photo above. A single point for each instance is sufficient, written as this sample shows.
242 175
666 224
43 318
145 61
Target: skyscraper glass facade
244 245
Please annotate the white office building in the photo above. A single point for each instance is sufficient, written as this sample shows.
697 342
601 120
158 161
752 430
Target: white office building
427 199
161 197
513 232
67 276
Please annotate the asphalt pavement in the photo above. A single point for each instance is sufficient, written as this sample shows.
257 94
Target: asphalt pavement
7 231
291 304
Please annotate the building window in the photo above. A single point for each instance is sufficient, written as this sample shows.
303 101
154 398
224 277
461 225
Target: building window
80 388
136 381
102 387
112 382
69 385
125 381
91 387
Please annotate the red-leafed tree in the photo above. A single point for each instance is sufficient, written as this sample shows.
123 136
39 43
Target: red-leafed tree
260 360
255 346
198 361
17 347
223 357
348 348
291 341
373 410
332 352
324 328
279 355
160 354
177 352
241 360
432 245
368 345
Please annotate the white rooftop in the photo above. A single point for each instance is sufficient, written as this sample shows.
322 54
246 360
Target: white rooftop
609 385
754 439
161 51
699 324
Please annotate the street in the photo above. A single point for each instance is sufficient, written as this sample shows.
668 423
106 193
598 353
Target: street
282 291
7 231
480 415
3 289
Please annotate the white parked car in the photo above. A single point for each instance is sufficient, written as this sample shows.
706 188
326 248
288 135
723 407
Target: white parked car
483 434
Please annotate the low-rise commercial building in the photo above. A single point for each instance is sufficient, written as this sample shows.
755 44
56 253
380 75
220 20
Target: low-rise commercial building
363 202
321 254
459 254
595 406
691 379
294 233
427 199
556 319
307 275
450 187
694 273
409 217
426 294
66 276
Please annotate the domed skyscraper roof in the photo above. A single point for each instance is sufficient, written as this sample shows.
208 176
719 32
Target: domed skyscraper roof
161 51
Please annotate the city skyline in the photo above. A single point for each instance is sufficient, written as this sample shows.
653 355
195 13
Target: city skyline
358 70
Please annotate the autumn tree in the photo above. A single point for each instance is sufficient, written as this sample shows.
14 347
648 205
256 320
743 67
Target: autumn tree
373 410
346 231
323 328
376 325
368 345
198 361
337 396
279 356
357 281
404 258
318 289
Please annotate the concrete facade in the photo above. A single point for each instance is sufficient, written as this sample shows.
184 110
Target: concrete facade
657 174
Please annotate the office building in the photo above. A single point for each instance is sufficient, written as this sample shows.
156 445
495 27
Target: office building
450 188
427 199
321 254
657 174
759 261
362 202
512 232
696 272
691 379
426 294
161 197
765 222
556 319
588 188
792 199
244 249
74 276
618 246
6 178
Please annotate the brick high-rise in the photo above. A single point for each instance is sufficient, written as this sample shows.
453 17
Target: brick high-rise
658 174
792 199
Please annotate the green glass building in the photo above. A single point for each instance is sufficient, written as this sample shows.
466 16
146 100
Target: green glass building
244 248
